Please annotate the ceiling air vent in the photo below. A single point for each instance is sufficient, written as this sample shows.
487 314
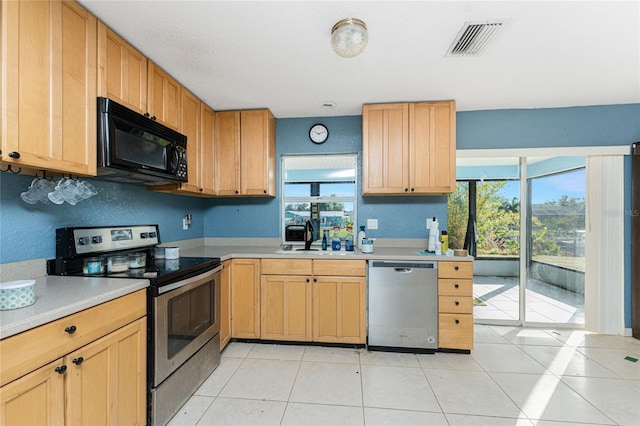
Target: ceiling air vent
474 37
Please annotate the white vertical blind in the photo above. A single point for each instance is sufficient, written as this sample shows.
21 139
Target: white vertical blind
604 251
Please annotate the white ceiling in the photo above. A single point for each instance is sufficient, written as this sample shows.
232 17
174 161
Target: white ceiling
277 54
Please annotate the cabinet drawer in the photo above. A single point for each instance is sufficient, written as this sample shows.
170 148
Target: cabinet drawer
455 331
31 349
285 266
455 287
455 304
450 269
345 268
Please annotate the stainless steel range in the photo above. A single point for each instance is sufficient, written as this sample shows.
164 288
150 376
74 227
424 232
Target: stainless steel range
183 302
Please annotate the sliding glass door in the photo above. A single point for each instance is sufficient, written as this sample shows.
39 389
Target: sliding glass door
523 220
556 235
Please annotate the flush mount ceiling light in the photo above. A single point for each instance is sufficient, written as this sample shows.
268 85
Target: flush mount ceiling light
349 37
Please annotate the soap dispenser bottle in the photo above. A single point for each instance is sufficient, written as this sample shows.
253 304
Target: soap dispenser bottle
361 236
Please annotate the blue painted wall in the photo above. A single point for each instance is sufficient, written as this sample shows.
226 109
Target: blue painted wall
27 232
398 217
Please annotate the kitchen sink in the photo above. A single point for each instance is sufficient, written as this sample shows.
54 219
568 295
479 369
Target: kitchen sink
315 252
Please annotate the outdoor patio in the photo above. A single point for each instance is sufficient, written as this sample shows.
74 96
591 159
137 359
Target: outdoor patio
497 298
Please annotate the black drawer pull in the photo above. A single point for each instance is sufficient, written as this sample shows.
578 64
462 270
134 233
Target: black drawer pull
308 280
456 285
78 361
71 329
14 154
61 369
456 267
457 321
457 303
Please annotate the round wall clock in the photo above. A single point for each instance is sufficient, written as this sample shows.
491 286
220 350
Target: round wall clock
318 133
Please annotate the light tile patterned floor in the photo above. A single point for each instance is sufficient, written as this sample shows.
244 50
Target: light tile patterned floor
514 376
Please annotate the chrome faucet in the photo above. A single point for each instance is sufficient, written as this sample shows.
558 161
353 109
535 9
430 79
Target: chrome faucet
308 235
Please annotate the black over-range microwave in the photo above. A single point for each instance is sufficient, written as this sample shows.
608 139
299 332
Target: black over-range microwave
133 148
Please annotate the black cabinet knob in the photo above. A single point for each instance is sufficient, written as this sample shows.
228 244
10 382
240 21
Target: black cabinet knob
456 268
61 369
237 192
308 280
456 285
413 189
264 191
78 361
71 329
457 303
14 154
406 190
315 280
146 114
457 321
153 118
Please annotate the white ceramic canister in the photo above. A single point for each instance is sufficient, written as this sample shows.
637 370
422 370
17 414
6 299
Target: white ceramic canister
367 245
171 253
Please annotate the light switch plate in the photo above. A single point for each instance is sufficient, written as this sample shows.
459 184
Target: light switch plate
372 223
429 221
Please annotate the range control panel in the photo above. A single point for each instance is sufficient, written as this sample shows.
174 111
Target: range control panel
82 241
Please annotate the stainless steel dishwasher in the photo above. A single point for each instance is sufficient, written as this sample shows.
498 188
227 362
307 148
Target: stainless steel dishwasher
403 304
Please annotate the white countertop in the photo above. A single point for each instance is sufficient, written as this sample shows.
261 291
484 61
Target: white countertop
275 252
57 297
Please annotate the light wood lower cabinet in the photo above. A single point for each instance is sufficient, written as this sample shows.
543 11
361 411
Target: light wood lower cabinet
313 300
225 304
87 368
245 298
455 305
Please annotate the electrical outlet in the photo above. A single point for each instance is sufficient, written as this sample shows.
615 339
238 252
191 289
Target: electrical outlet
185 225
372 223
429 221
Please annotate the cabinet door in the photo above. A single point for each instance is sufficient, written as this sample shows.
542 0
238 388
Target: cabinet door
34 399
227 153
163 97
339 309
225 304
257 152
106 380
207 150
190 127
385 149
49 106
122 71
285 308
245 298
432 143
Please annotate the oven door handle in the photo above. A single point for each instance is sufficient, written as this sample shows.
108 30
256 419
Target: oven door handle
184 283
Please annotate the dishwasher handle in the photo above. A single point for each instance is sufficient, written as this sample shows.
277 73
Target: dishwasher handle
403 270
403 266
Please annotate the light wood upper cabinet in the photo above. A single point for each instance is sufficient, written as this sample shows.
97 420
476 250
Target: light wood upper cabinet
122 71
48 108
163 97
245 153
207 151
197 123
385 148
408 148
245 298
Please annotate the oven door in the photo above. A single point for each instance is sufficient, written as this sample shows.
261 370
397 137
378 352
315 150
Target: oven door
187 316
